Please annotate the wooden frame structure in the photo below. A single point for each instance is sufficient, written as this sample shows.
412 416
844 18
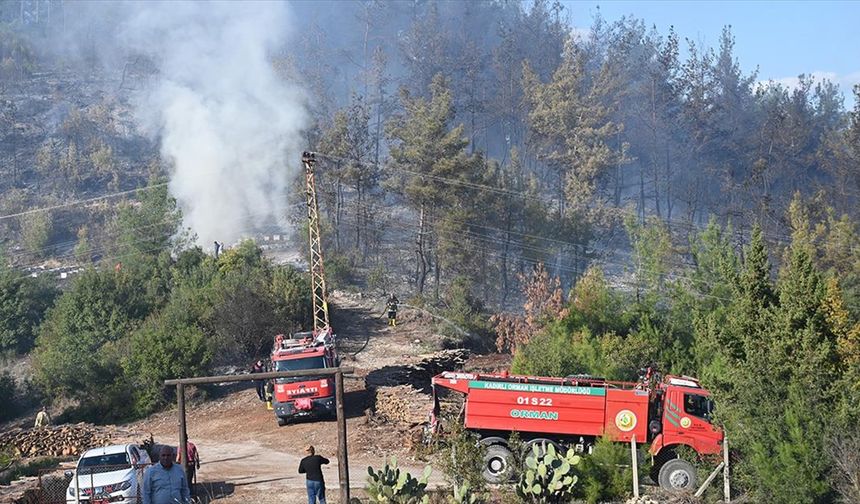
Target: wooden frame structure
338 372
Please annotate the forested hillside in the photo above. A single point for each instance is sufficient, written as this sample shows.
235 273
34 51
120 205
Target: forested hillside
590 202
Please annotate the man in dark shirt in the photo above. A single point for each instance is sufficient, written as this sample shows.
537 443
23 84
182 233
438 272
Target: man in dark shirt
258 367
311 466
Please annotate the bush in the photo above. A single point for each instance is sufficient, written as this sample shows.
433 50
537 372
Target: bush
8 396
377 279
80 342
24 302
607 474
548 477
164 348
339 271
465 319
553 352
390 485
461 459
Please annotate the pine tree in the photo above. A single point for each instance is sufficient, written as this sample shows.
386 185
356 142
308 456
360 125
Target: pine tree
426 156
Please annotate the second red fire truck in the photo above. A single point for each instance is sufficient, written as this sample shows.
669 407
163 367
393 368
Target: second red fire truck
572 412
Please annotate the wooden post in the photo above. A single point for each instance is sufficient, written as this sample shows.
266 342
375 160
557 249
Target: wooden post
727 491
708 481
183 434
342 458
635 457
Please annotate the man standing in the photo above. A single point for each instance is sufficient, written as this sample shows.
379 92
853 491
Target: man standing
311 466
258 367
392 310
165 483
43 419
192 463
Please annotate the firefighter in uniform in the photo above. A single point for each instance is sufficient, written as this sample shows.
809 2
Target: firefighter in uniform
270 392
392 310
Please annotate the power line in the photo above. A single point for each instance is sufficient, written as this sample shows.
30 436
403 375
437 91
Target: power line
81 202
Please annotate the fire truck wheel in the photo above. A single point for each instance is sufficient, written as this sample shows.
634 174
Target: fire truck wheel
282 421
541 443
498 464
677 474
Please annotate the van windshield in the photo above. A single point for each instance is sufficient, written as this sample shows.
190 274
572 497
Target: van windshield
104 463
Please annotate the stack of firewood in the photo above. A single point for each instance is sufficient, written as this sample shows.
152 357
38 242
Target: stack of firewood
402 405
56 441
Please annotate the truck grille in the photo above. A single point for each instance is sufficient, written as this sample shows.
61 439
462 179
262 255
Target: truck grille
302 394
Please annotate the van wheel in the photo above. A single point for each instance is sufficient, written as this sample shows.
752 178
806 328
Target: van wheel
282 421
677 474
498 464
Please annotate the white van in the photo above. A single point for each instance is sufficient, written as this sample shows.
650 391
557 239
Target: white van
108 474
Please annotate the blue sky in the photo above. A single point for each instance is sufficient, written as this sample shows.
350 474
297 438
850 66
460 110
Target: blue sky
783 38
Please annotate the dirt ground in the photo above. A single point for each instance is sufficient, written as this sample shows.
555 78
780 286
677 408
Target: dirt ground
246 457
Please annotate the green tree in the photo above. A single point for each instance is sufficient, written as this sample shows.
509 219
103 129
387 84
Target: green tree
82 247
349 140
23 303
425 154
36 229
788 357
170 344
148 227
70 166
45 160
468 320
81 341
573 128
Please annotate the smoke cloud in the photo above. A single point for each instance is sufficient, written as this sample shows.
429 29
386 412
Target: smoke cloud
230 126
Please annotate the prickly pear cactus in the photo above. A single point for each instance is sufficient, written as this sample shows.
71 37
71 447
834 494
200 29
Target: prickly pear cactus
548 477
390 485
464 494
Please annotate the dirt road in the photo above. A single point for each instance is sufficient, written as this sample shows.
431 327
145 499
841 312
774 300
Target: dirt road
246 457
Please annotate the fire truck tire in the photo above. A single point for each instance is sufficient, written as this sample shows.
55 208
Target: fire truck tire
498 464
677 474
282 421
541 443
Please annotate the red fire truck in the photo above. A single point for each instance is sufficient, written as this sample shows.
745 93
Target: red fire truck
307 396
572 412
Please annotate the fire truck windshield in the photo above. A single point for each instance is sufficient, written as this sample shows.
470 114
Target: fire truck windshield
300 364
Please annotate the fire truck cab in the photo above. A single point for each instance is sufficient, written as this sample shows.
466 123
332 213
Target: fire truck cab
572 412
305 396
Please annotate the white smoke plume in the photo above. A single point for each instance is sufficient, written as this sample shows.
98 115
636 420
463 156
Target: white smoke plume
228 123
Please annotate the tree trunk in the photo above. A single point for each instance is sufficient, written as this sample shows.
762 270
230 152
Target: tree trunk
642 195
358 215
337 202
421 267
505 260
669 203
436 272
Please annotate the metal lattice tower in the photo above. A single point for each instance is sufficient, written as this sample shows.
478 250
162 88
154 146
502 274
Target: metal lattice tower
320 295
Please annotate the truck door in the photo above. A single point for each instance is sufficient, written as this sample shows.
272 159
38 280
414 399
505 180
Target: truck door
687 420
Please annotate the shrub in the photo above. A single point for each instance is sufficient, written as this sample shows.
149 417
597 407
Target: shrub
548 477
8 396
390 485
607 474
461 459
339 271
